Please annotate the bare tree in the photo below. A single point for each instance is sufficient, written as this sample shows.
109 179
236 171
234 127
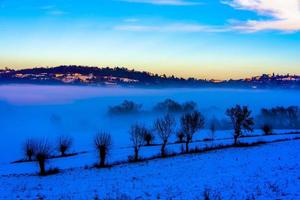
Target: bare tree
190 124
149 137
64 144
103 144
29 149
213 128
267 129
164 127
282 117
125 108
137 135
241 120
43 151
180 136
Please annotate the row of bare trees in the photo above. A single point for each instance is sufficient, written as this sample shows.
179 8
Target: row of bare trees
40 150
164 127
32 146
190 124
166 106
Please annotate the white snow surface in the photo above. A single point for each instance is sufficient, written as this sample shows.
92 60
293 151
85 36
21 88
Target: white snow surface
270 171
26 111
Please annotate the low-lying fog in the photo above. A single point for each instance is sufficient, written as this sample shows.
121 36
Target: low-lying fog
80 111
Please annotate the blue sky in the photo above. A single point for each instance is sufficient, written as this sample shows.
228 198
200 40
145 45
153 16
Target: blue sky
218 39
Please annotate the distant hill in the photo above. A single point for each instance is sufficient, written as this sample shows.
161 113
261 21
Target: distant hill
83 75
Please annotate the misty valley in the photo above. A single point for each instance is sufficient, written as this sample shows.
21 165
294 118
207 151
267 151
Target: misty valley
32 111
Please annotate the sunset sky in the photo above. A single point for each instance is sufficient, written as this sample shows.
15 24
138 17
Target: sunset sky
218 39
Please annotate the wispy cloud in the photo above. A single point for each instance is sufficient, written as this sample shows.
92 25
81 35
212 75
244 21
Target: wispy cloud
52 10
188 28
56 12
284 15
167 2
277 15
47 7
131 20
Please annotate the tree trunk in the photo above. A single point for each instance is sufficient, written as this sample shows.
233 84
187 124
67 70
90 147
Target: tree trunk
235 139
42 167
136 154
163 149
102 157
187 147
102 161
181 139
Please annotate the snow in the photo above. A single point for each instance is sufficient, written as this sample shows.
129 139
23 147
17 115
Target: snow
269 171
31 111
38 111
121 154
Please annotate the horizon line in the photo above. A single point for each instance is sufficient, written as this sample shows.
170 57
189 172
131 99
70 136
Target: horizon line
152 73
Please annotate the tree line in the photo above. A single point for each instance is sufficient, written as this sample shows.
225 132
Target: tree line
191 122
269 118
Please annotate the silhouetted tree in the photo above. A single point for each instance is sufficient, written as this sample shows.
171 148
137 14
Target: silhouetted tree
213 128
168 106
102 142
29 148
267 129
189 106
282 117
149 137
43 151
137 135
64 144
180 136
241 120
127 107
190 124
171 106
164 127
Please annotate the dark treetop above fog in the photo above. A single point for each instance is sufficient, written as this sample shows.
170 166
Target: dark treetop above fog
82 75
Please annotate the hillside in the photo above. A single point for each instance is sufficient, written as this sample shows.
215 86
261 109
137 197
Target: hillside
92 75
224 174
84 75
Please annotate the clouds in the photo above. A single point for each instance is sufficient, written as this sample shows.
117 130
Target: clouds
284 15
52 10
166 2
273 15
174 28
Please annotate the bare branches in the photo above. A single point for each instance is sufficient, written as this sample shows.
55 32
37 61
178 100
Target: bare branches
190 124
29 149
267 129
43 151
102 142
125 108
241 120
64 144
137 135
149 137
164 128
213 127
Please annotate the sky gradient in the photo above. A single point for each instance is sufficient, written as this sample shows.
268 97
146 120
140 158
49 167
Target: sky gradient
217 39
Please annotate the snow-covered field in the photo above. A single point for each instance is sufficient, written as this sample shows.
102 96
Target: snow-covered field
49 111
122 154
269 171
265 172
